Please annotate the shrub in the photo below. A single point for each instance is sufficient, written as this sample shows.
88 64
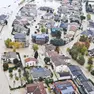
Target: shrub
43 30
83 38
15 61
90 61
46 60
5 66
81 59
82 17
92 72
7 42
10 70
88 17
40 79
90 66
68 49
35 47
11 75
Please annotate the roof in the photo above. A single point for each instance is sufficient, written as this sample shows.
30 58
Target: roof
88 32
64 74
76 71
65 87
11 55
40 72
39 36
58 59
19 36
37 88
30 59
64 25
49 47
3 17
73 27
52 53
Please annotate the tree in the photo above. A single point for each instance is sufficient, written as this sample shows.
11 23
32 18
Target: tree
87 44
68 49
40 79
82 17
88 16
47 82
81 59
92 72
90 66
19 70
7 42
43 30
11 75
83 50
5 66
15 45
10 70
58 34
83 38
36 55
90 61
15 61
46 60
16 78
35 47
74 52
57 49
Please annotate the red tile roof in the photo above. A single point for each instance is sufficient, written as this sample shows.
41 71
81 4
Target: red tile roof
37 88
30 59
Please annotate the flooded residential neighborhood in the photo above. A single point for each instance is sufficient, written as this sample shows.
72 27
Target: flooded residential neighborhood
47 46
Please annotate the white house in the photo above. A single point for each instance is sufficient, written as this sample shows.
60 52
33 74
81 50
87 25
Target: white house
30 61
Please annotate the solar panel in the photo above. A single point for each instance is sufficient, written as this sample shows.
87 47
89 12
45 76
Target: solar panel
87 86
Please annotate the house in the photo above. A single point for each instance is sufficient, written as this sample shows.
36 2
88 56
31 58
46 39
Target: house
3 19
40 38
73 27
40 72
64 25
18 28
57 17
48 16
63 72
54 30
89 33
30 61
86 87
9 56
65 87
89 7
57 60
50 24
20 37
21 21
91 24
45 8
36 88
